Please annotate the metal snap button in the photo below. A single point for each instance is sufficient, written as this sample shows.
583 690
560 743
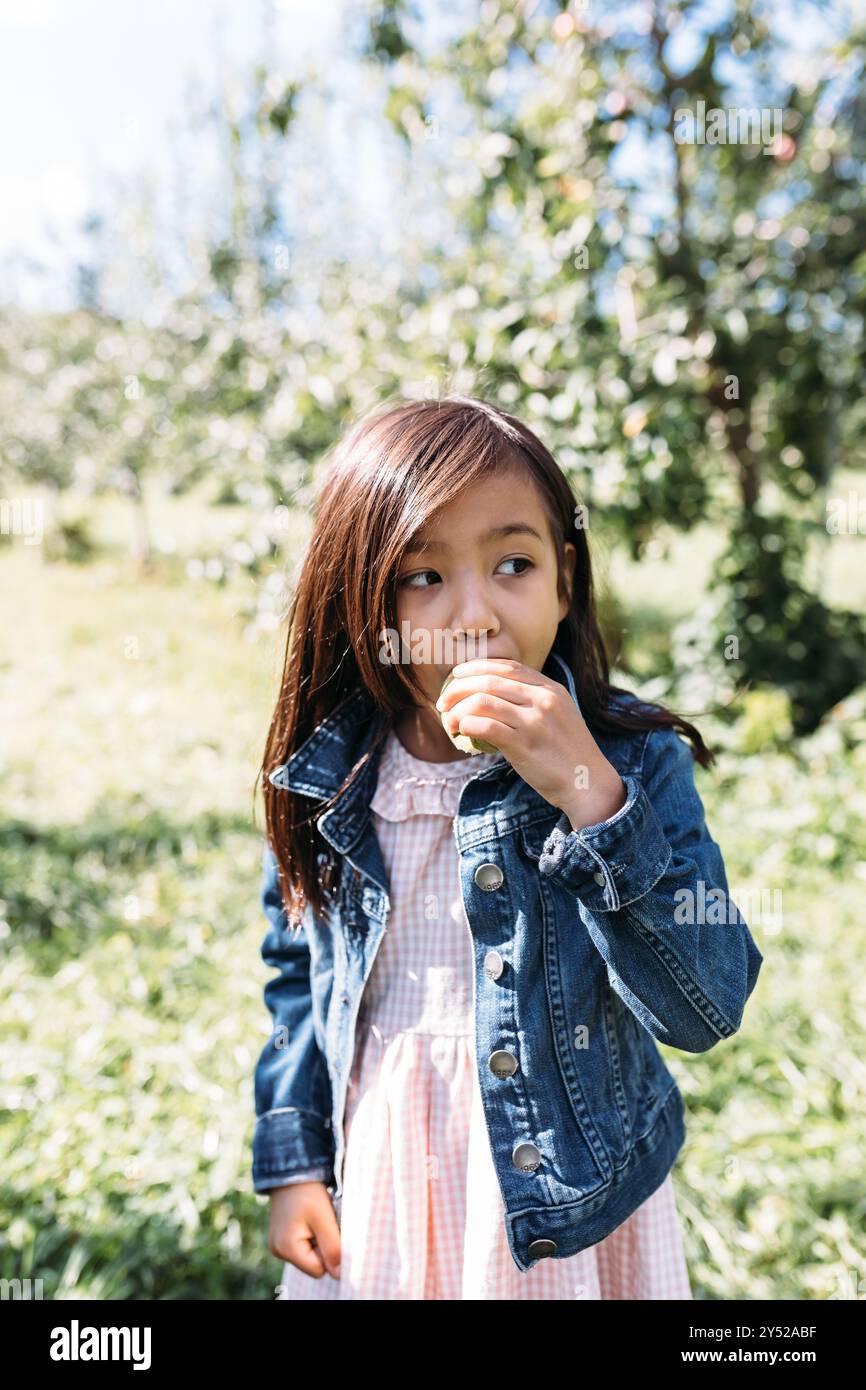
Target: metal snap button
526 1156
540 1248
599 878
493 965
502 1064
489 876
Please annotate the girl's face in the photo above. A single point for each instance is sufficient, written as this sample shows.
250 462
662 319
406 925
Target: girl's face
463 575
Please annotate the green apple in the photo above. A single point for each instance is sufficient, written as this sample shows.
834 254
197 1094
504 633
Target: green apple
463 741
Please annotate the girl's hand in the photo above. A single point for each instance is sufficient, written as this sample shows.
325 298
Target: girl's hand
303 1228
535 723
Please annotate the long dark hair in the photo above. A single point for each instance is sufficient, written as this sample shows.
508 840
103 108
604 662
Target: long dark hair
387 475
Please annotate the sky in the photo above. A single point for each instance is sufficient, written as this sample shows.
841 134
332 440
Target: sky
90 87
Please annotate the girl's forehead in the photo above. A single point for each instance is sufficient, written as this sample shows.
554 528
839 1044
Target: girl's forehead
511 499
508 487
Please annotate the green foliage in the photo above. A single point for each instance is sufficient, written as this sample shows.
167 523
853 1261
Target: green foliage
789 636
70 540
765 721
385 41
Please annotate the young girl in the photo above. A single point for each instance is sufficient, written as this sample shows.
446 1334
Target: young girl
477 950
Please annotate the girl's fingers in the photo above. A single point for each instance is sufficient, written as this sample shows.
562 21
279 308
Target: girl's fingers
312 1248
326 1232
301 1252
512 691
481 705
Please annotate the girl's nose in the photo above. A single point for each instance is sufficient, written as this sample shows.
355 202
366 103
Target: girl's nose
474 614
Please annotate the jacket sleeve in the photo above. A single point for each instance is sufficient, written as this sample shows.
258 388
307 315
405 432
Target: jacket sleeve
293 1135
652 892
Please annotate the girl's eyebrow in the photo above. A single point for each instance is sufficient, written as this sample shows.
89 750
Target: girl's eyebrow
511 528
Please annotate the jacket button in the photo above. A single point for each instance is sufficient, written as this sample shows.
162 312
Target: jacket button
526 1157
502 1064
493 965
489 876
539 1248
599 878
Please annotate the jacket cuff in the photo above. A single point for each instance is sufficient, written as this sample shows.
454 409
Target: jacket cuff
613 863
290 1145
324 1175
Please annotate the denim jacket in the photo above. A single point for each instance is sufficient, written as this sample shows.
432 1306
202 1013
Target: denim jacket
589 946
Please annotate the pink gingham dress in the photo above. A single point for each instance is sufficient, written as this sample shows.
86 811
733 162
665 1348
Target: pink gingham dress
421 1213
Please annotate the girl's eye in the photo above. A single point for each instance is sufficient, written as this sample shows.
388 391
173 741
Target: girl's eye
518 560
408 583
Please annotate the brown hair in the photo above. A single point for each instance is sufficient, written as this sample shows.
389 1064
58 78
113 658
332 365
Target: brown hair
388 474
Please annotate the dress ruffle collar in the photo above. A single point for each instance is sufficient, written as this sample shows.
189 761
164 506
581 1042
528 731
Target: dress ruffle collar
410 786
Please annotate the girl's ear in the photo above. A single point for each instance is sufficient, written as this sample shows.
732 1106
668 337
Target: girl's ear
569 561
